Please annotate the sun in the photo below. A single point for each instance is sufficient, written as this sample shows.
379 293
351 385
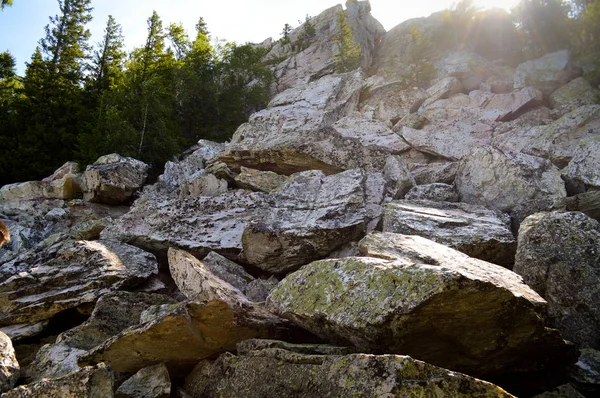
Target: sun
504 4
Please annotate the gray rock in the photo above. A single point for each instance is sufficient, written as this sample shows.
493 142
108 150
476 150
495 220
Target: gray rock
197 283
547 73
259 181
437 172
389 102
444 88
585 165
437 192
399 179
557 256
585 374
471 229
182 335
419 303
113 179
9 367
150 382
556 141
66 275
311 216
564 391
288 371
113 313
576 93
63 184
587 203
92 382
513 183
227 270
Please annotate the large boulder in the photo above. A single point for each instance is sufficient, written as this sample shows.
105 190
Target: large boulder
150 382
390 102
112 313
9 367
416 299
70 273
585 164
308 57
557 256
556 141
312 215
511 182
578 92
182 335
63 184
113 179
547 73
93 382
259 181
471 229
288 370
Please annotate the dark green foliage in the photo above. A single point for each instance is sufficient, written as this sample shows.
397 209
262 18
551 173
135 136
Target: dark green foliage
5 3
285 34
306 35
347 57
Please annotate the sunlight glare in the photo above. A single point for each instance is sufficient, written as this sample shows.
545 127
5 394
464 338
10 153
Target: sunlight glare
504 4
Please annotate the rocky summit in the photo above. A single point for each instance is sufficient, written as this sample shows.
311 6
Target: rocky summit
364 234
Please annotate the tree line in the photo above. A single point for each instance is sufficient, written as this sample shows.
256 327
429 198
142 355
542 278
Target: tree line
78 102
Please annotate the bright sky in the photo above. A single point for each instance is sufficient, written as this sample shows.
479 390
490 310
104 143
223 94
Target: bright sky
22 25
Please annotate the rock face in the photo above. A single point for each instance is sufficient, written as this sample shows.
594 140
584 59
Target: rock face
93 382
474 230
547 74
558 257
150 382
312 216
35 287
113 313
307 58
182 335
514 183
113 179
419 303
573 95
9 367
291 371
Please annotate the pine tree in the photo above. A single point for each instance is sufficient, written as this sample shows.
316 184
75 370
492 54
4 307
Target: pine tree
108 60
347 57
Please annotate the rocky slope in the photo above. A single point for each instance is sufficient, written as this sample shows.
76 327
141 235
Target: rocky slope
355 238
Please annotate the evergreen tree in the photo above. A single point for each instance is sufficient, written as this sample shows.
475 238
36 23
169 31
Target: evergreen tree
285 34
347 57
10 95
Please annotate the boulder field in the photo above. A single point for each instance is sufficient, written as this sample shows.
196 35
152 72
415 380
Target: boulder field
357 237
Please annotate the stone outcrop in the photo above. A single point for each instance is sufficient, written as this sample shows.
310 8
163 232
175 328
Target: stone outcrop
182 335
63 184
113 179
416 298
471 229
9 367
558 257
311 374
547 73
312 216
511 182
97 381
35 287
150 382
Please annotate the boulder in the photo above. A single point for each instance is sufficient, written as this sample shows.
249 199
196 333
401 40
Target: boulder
471 229
470 68
587 203
398 178
513 183
292 371
150 382
113 313
197 283
585 164
113 179
36 287
259 181
63 184
198 225
9 367
564 391
578 92
255 289
444 88
435 172
556 141
390 102
202 185
437 192
557 256
182 335
416 299
311 216
547 73
96 381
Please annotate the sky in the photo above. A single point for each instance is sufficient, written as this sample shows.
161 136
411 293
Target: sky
22 25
